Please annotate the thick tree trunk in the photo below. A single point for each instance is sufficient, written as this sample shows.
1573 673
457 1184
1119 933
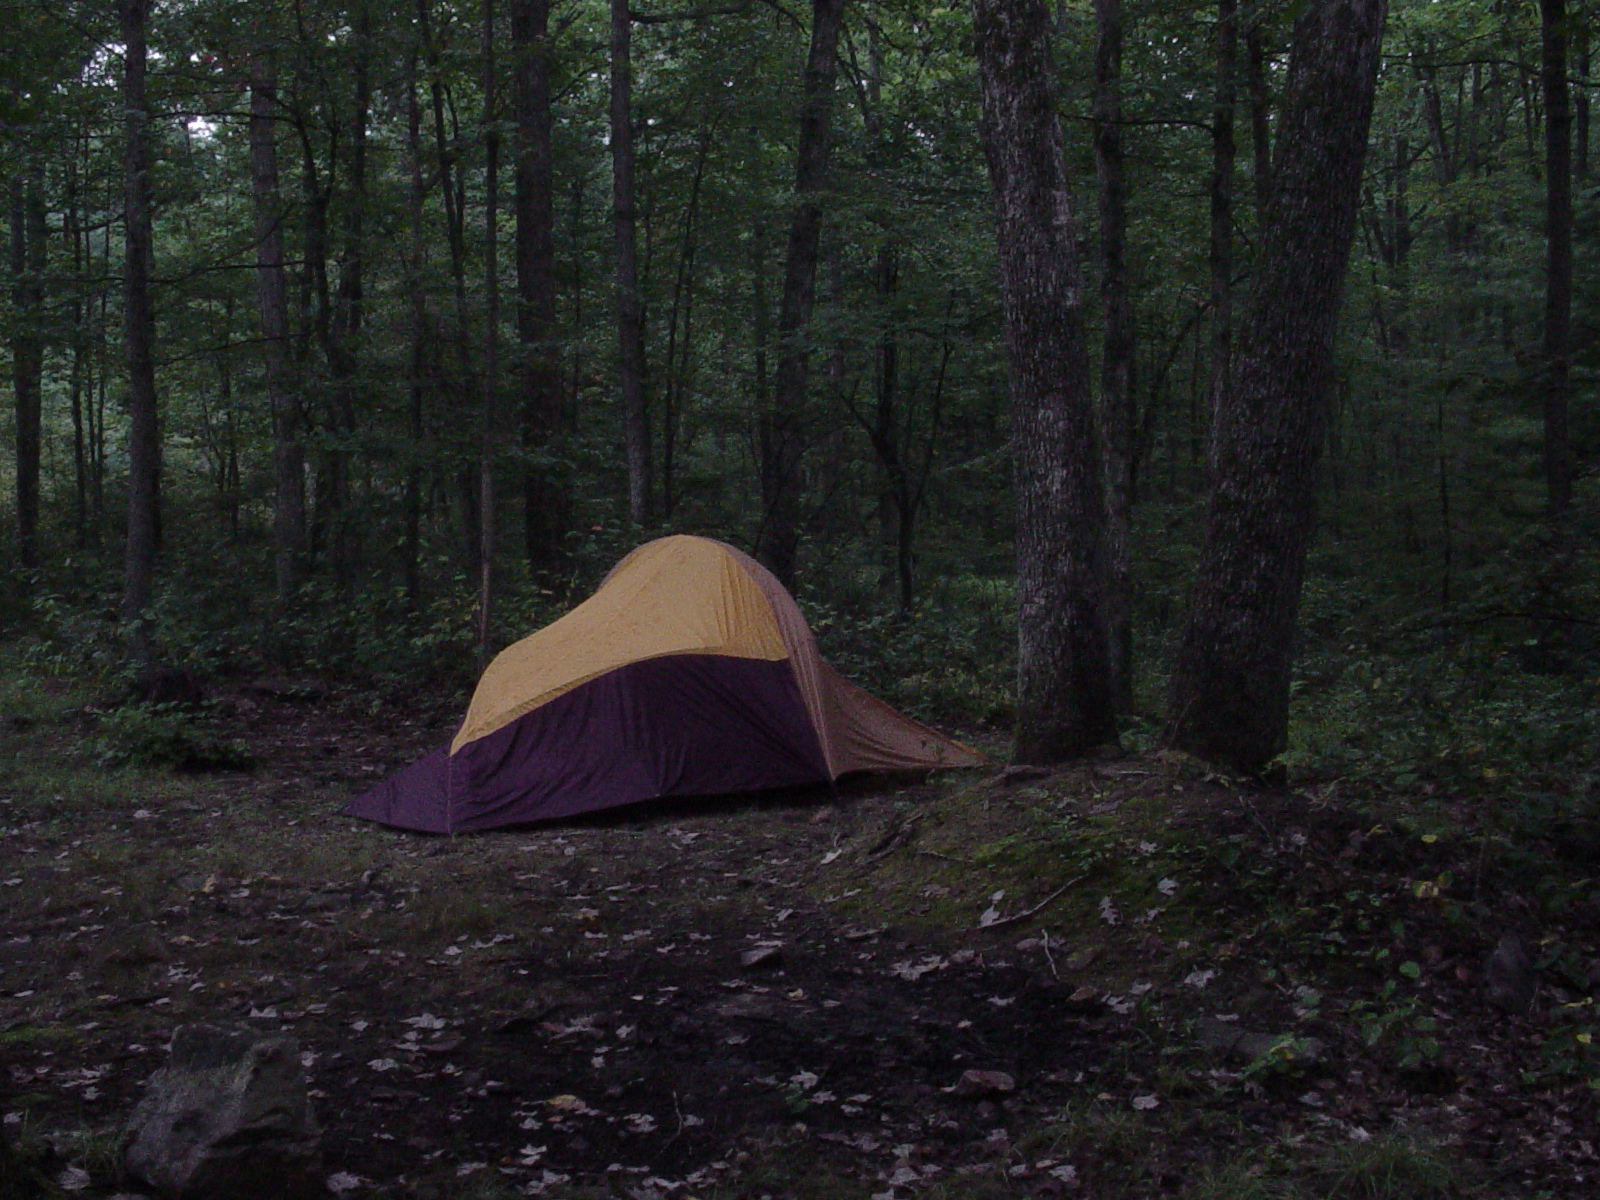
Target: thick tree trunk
28 262
1221 193
630 305
144 432
1117 416
538 366
1558 256
288 455
1065 700
1230 688
782 424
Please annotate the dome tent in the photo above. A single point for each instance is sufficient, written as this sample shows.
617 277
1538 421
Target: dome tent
690 672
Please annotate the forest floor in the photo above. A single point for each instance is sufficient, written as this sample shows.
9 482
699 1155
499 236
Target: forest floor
1166 983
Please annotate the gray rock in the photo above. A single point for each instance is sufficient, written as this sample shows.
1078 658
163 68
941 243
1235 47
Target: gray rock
1227 1040
227 1118
1508 976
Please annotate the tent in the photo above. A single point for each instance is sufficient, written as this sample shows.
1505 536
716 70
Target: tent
689 673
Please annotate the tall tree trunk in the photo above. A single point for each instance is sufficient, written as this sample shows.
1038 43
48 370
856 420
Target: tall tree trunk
349 306
461 384
630 305
416 288
681 315
1558 255
782 424
1221 190
491 351
1117 416
1255 51
1582 38
1230 689
1065 699
894 492
82 377
28 262
538 367
144 432
288 455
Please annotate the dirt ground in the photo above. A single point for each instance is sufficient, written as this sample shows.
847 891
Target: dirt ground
784 996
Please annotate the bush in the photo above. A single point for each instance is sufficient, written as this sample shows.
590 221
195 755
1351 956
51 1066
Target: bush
162 735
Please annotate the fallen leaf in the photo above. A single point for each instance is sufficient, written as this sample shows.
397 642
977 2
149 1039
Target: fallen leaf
1143 1103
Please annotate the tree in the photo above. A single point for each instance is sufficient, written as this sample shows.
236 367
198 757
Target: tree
1065 704
1229 701
782 426
288 455
144 431
1117 358
538 371
29 259
630 306
1558 254
489 415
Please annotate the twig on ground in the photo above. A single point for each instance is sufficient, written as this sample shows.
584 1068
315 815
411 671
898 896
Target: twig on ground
1026 913
947 857
1050 958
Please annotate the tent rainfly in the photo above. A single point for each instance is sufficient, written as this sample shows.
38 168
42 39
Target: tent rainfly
689 673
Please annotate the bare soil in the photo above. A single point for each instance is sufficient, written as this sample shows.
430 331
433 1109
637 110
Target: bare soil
780 996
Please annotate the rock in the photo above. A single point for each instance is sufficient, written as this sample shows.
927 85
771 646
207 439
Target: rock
1227 1040
983 1083
1508 976
227 1118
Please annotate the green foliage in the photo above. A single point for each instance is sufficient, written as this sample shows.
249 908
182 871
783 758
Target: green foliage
1398 1025
952 659
162 735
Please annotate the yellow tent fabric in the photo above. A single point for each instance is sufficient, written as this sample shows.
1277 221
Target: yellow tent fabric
694 595
675 595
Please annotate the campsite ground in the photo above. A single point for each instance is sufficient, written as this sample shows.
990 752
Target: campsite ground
781 997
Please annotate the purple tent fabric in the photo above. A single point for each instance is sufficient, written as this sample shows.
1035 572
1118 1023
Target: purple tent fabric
680 725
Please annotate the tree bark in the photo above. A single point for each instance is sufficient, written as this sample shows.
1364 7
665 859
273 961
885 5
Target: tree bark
416 289
288 455
538 368
1582 40
491 354
1558 255
1260 112
1065 699
681 315
1117 415
349 304
629 303
29 248
144 431
1223 151
1229 701
782 424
